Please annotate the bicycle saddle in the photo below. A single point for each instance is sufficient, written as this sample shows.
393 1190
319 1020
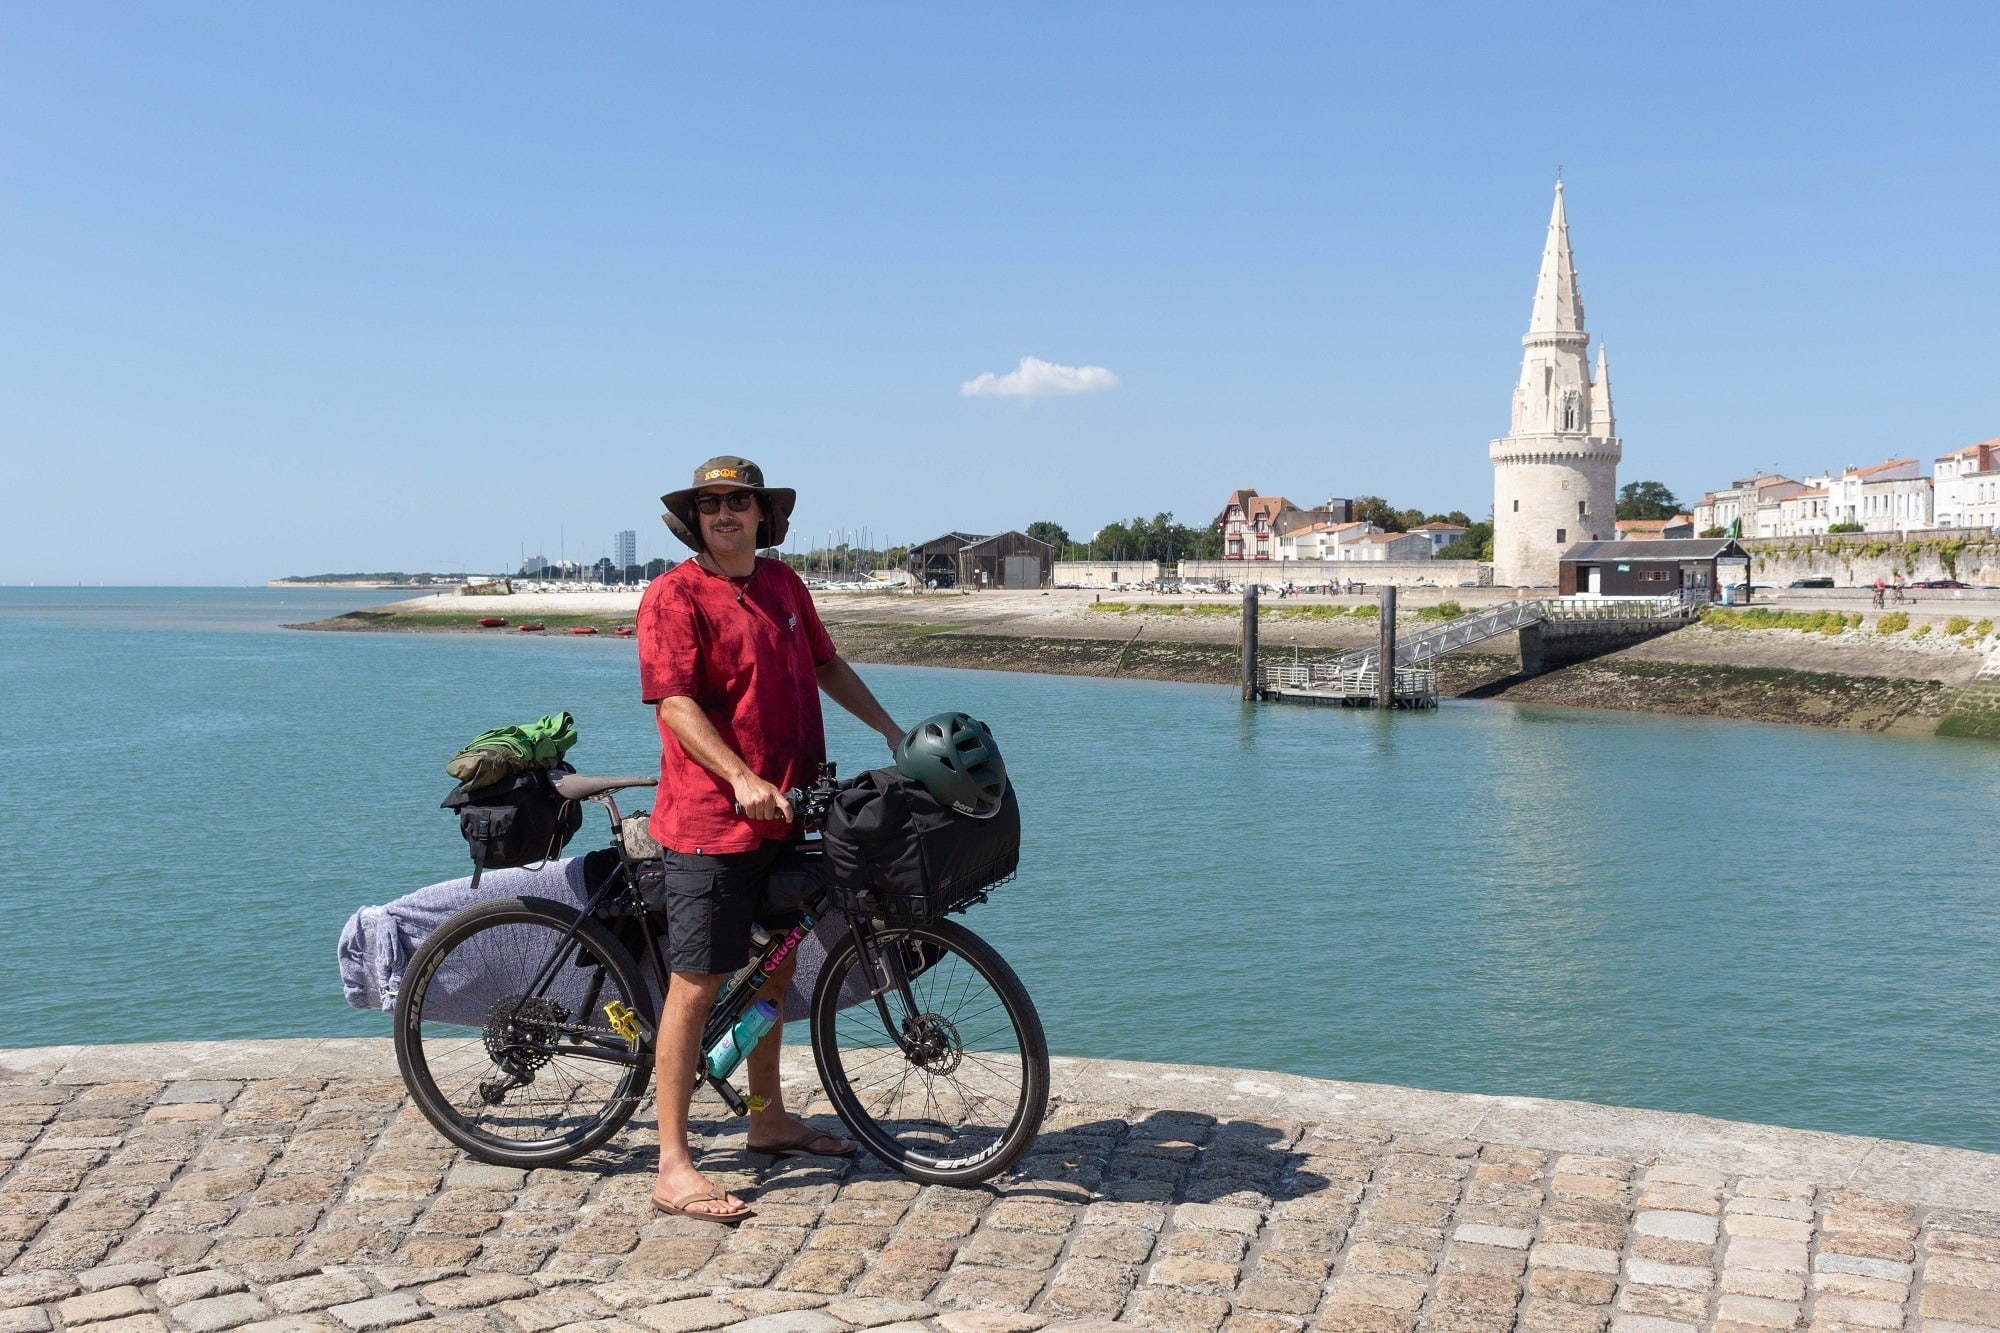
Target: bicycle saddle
577 787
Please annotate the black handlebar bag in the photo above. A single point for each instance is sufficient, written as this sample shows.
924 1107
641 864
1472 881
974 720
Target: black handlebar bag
894 852
516 821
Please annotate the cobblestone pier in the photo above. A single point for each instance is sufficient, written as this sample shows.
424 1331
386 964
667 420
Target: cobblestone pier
288 1187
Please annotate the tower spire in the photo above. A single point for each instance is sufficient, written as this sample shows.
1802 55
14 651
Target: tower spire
1601 423
1558 300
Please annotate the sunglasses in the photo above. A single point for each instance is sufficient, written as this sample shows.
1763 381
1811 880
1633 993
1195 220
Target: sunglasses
738 502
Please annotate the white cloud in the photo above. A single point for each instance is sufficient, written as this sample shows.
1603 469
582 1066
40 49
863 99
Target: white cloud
1036 378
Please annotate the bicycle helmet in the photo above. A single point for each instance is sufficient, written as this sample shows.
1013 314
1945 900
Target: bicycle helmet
957 761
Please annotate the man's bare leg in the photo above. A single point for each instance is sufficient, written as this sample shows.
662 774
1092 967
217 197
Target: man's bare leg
690 996
773 1124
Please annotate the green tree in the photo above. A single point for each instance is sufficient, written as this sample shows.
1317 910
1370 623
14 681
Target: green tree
1055 534
1476 544
1374 509
1646 499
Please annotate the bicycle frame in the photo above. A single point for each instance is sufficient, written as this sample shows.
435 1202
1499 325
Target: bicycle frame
884 966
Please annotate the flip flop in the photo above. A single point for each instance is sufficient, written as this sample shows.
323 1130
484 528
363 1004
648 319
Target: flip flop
803 1146
679 1208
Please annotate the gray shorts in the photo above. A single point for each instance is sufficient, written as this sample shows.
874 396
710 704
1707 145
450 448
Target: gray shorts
708 904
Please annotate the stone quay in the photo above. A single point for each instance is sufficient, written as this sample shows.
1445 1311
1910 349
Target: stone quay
291 1187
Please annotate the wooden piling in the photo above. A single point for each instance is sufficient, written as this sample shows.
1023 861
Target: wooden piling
1250 643
1385 680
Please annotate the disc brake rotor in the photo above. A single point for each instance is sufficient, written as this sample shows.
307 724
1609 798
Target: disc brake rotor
934 1044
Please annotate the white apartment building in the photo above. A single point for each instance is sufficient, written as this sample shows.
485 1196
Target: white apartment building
1981 505
1440 535
1323 541
1742 502
1388 546
1957 476
1843 492
1896 504
1804 514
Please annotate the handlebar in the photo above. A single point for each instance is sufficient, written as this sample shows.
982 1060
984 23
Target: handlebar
809 804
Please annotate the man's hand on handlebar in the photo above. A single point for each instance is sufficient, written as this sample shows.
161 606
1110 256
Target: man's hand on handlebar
758 799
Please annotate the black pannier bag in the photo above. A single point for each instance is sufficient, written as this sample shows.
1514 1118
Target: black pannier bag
894 852
516 821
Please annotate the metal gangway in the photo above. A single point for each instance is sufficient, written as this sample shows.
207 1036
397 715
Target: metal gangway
1355 675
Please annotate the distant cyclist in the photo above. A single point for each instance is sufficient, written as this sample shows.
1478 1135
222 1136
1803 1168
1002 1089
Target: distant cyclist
734 657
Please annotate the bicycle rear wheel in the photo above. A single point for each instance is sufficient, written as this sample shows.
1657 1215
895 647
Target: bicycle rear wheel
513 1059
961 1095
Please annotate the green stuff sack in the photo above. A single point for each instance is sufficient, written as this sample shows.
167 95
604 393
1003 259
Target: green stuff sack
505 751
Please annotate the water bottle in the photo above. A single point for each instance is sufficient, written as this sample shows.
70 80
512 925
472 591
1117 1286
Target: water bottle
726 1054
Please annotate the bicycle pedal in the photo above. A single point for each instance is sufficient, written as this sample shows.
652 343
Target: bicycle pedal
623 1019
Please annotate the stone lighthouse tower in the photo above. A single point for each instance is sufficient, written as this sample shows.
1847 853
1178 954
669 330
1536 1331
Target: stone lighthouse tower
1555 474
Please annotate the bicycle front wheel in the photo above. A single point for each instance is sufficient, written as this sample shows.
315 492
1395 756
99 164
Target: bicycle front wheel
951 1091
523 1047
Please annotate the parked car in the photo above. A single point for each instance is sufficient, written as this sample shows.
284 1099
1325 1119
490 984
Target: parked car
1939 583
1816 581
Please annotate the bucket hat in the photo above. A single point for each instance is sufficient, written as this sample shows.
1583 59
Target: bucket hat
725 472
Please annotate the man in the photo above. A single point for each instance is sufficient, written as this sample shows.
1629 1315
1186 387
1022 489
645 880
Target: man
733 656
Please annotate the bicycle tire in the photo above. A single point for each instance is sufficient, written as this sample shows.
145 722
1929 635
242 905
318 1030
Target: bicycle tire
465 1029
892 1102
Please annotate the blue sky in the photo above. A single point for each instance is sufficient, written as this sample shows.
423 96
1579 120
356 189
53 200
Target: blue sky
290 288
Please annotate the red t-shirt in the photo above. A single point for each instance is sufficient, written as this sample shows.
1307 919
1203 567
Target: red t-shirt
748 654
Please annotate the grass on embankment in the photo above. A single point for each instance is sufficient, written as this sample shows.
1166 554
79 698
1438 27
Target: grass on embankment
1966 632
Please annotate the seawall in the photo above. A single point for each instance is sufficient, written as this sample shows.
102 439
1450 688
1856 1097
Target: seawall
288 1186
1857 559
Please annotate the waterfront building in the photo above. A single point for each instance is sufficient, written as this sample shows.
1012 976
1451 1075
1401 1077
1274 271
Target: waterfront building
1746 506
1555 472
1389 546
1959 475
1844 503
1896 504
1440 535
972 561
1980 506
624 549
1254 525
1324 541
1249 525
1804 514
1700 566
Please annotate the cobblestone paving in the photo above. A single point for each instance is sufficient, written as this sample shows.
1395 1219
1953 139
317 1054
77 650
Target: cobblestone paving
323 1201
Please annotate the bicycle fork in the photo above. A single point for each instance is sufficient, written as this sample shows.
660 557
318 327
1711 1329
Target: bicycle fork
889 974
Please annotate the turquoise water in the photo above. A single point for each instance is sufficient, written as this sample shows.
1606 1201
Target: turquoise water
1763 923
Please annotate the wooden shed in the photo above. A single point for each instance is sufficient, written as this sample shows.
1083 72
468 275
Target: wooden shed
1653 569
969 560
934 564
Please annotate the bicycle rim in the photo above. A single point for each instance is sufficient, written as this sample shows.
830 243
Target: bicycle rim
505 1062
962 1097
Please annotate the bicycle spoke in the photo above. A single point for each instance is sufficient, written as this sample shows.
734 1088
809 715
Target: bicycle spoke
516 1071
950 1091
